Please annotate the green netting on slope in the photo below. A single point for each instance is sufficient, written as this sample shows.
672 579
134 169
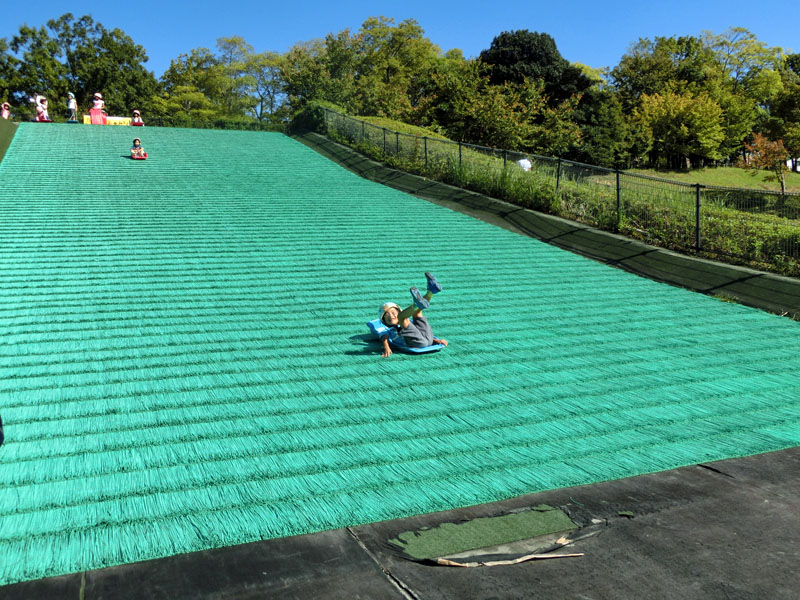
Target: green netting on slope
183 363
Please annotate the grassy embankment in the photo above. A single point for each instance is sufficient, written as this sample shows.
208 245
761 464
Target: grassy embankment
7 130
747 226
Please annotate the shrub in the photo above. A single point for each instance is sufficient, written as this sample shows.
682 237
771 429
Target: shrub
312 117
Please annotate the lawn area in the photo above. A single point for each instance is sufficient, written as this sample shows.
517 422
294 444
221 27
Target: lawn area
725 177
393 126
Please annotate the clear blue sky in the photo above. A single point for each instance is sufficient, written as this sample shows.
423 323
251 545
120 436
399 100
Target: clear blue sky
593 33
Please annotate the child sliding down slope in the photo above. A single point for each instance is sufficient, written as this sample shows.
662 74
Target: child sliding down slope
410 323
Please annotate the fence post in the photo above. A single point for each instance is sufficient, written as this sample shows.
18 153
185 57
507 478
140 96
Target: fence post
396 142
363 135
619 203
697 217
505 157
459 155
384 141
425 139
558 174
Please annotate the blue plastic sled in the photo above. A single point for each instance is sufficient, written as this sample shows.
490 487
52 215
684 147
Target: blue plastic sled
396 341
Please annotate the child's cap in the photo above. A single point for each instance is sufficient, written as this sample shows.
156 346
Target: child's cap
136 112
97 95
137 140
70 95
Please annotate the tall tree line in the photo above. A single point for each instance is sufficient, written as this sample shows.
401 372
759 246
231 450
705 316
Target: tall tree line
670 102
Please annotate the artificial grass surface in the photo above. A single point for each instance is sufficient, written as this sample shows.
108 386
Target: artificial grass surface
183 362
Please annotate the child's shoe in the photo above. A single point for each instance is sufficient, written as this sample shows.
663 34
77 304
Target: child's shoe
433 285
420 302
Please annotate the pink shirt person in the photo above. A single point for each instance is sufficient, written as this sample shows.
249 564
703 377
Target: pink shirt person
42 115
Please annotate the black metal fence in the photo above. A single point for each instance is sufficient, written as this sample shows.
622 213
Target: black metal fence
757 227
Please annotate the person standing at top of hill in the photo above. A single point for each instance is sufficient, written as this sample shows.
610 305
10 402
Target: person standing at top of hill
72 107
137 119
97 101
5 111
42 116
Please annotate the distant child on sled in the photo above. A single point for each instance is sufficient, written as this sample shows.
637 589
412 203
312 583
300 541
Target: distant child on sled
410 323
136 150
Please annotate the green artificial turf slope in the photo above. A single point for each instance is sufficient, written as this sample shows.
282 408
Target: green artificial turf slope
184 362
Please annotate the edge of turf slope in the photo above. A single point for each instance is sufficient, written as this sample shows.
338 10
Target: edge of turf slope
768 291
7 131
184 361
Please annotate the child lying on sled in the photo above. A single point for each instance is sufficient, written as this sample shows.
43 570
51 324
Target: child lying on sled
410 323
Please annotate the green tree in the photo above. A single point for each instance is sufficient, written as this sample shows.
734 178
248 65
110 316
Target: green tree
732 69
199 69
380 70
461 101
193 87
791 139
605 130
83 57
264 69
515 56
304 74
654 70
322 70
341 64
119 73
468 108
653 67
793 63
784 110
394 63
9 79
38 70
686 129
185 103
749 62
237 84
